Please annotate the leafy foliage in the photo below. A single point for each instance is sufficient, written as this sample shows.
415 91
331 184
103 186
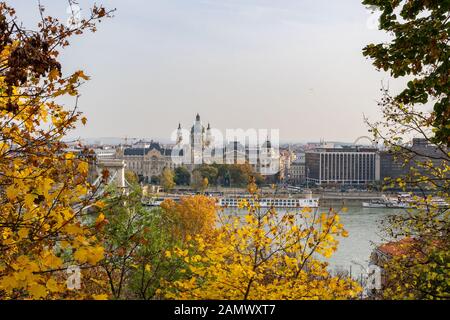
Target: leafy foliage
43 188
135 241
420 50
191 216
167 179
198 182
418 269
182 176
263 255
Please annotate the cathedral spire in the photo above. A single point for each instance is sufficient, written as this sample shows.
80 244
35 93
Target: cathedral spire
179 134
197 118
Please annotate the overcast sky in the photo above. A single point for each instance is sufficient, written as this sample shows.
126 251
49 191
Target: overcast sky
293 65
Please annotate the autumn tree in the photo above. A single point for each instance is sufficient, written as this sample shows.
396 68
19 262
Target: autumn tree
241 174
167 179
419 51
198 182
264 255
209 172
131 177
43 187
190 216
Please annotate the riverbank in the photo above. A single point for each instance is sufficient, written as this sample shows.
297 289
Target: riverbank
326 198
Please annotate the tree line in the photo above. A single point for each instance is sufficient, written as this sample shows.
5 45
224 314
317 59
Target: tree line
226 175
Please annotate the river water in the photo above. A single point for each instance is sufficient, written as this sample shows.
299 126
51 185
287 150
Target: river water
365 233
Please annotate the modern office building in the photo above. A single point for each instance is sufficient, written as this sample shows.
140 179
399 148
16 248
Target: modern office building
344 165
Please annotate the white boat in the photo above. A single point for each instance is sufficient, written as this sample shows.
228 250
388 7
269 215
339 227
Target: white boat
439 203
234 201
271 202
375 204
403 201
383 203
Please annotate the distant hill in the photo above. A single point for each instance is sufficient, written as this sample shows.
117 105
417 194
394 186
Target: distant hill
113 140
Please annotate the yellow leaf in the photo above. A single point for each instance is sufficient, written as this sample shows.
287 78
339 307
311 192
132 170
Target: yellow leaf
29 200
8 283
65 244
83 167
69 155
100 218
53 74
37 291
73 229
81 74
52 261
52 285
100 296
23 233
23 260
12 192
81 255
96 255
100 204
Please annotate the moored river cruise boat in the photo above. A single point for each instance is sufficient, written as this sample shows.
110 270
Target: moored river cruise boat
272 202
404 201
235 201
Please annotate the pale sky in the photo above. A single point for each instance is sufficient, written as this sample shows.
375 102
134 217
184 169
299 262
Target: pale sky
293 65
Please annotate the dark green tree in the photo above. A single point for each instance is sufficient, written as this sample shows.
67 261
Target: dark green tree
209 172
135 241
182 176
420 51
155 180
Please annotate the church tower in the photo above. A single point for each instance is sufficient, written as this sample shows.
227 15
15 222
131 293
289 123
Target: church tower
179 135
197 141
209 139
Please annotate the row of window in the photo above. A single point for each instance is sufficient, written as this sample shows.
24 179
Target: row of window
349 167
274 202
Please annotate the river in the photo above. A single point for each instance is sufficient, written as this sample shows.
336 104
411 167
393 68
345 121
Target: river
363 226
